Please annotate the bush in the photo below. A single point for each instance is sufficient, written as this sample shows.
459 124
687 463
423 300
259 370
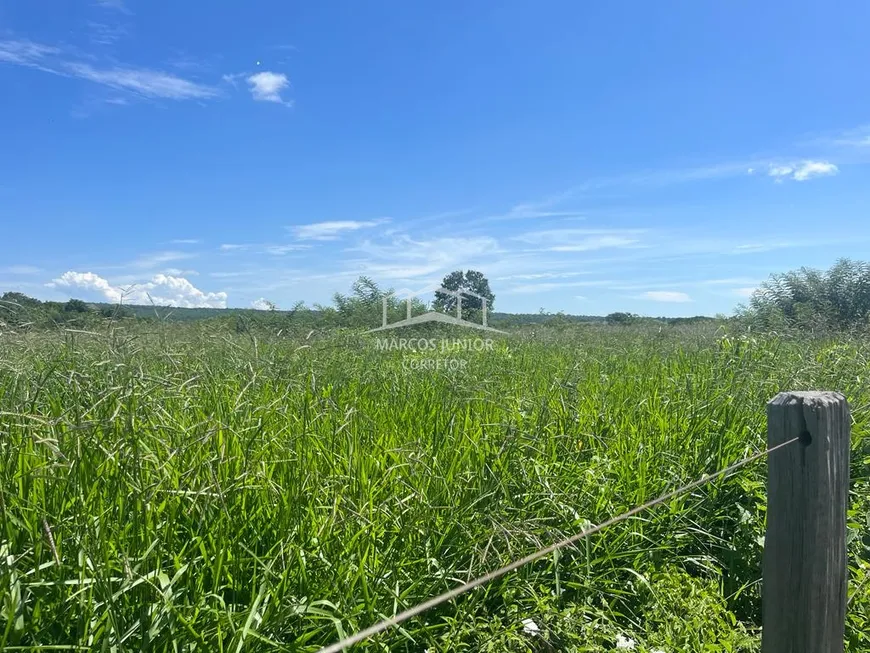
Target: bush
838 298
75 306
621 319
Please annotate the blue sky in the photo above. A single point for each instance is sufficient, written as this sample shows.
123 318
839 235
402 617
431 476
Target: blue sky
660 158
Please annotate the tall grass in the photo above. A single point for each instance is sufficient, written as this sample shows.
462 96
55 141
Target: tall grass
188 489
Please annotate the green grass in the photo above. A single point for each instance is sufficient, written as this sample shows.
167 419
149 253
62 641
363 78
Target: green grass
217 491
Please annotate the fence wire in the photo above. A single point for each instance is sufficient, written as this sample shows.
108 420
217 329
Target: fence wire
449 595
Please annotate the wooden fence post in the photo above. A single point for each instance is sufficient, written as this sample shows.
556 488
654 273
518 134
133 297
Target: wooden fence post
805 574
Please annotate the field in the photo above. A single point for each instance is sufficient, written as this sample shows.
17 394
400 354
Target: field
185 487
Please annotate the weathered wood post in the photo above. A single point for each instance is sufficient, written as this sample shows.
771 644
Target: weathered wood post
805 574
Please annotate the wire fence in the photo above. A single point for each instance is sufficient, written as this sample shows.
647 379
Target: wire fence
449 595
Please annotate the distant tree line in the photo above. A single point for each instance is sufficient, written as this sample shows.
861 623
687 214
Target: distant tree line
17 310
807 299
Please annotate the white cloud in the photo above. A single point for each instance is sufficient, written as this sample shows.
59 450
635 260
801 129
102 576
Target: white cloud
666 296
88 281
780 171
331 230
185 241
802 170
809 169
267 86
232 247
163 290
745 292
263 304
141 81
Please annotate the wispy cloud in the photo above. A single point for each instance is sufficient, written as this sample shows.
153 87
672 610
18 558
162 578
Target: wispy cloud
754 248
333 229
857 137
266 248
281 250
116 5
540 275
144 82
20 269
185 241
422 260
148 83
178 272
581 240
728 281
159 258
666 296
537 210
593 243
530 288
802 170
162 289
105 34
652 179
231 274
744 292
24 52
267 86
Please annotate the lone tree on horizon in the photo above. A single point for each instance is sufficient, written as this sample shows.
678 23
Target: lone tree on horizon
466 283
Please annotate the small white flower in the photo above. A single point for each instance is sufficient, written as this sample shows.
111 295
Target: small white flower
624 642
530 627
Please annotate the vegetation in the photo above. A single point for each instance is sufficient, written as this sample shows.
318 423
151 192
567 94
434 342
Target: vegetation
20 311
473 286
188 487
621 318
837 299
273 480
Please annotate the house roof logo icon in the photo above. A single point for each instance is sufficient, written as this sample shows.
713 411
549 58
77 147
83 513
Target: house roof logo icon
435 316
